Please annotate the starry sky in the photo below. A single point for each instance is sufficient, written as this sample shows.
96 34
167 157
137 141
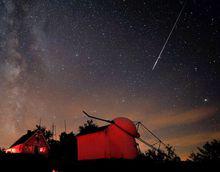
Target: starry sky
59 57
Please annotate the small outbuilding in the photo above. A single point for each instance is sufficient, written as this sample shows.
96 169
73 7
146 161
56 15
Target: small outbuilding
33 142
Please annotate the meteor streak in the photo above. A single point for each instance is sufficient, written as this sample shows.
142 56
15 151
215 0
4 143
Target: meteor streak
177 19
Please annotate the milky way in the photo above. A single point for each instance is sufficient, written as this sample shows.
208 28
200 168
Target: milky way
58 58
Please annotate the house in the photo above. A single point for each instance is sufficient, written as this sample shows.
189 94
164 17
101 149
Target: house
113 141
33 142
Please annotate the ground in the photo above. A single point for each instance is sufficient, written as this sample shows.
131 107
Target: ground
38 163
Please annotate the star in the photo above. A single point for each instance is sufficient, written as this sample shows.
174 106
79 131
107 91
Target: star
123 100
205 100
195 69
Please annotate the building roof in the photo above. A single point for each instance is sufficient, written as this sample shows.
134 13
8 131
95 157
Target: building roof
24 138
93 131
121 123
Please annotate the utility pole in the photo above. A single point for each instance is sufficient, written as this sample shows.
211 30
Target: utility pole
65 126
40 122
53 130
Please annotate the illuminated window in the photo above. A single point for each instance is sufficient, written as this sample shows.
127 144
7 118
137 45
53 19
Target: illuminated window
42 150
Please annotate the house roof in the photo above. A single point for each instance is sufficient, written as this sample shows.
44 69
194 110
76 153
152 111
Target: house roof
25 137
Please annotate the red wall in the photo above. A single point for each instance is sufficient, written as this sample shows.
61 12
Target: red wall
92 146
121 144
109 143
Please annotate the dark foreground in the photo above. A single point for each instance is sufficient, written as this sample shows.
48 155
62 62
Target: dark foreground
41 164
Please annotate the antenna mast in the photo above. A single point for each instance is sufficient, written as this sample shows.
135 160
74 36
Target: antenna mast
65 126
40 122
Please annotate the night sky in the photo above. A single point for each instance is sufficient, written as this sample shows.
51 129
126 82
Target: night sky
59 57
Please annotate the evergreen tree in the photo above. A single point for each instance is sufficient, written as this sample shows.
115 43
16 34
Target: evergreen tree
210 151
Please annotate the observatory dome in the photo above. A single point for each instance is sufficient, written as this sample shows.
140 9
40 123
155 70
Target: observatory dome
127 125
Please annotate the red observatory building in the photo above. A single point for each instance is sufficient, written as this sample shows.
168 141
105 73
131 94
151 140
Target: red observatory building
116 140
33 142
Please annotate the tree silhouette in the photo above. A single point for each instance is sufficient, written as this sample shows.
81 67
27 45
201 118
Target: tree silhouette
171 155
88 127
68 145
47 133
2 151
160 155
64 149
210 151
55 151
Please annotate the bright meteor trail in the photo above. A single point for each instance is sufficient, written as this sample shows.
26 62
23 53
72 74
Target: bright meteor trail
159 56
